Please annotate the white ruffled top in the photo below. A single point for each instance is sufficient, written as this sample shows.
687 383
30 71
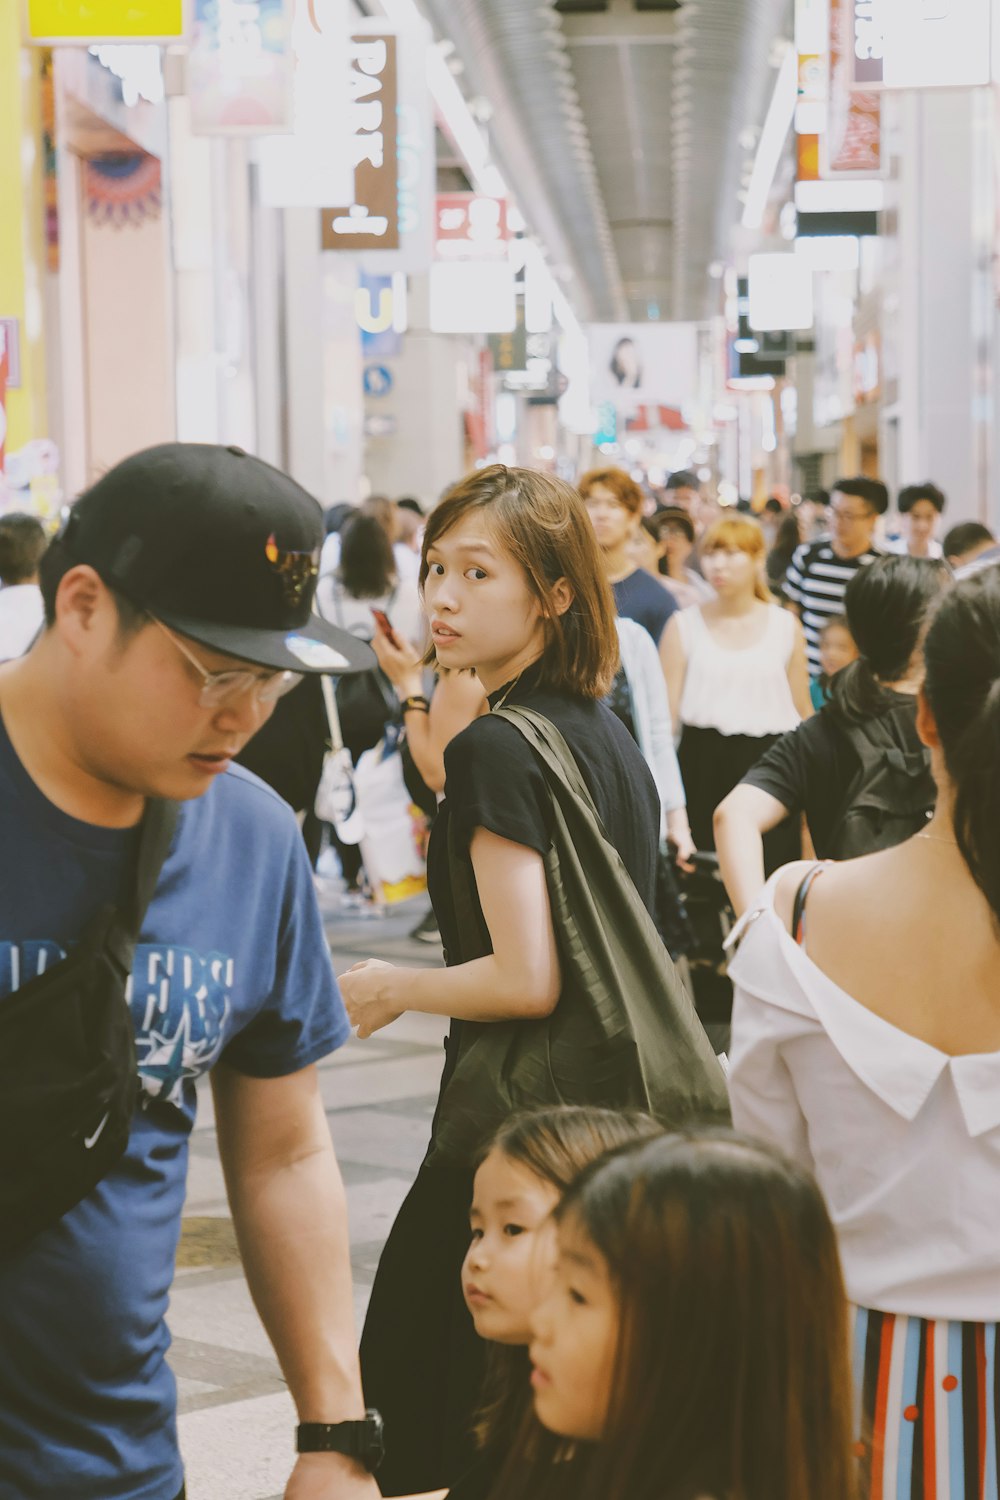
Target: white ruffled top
903 1139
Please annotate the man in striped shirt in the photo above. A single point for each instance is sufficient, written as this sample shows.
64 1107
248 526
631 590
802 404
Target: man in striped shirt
820 571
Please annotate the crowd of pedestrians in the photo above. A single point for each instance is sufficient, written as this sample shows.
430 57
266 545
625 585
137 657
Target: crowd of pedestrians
628 1268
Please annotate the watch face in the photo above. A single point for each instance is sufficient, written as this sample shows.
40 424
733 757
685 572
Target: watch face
375 1449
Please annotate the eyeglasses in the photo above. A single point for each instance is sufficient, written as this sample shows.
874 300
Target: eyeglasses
840 513
218 688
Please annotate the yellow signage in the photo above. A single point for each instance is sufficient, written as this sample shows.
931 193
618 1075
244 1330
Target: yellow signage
86 21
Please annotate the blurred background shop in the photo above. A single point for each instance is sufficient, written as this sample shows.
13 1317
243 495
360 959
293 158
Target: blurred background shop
379 243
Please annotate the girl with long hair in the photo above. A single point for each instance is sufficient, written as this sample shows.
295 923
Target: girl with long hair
527 1167
815 769
693 1343
514 587
736 675
866 1043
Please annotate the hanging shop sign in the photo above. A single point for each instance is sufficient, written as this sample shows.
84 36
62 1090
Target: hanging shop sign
415 167
85 22
915 44
469 226
240 67
313 165
371 221
852 139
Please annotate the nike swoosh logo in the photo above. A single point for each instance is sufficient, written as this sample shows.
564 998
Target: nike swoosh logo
90 1141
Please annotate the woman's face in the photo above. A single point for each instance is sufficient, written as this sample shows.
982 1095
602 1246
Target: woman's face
836 649
676 546
730 571
923 522
513 1245
574 1338
481 610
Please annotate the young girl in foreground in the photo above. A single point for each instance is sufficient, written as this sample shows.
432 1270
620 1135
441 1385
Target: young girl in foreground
693 1345
530 1163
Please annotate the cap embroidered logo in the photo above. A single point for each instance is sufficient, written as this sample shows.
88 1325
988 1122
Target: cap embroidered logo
296 569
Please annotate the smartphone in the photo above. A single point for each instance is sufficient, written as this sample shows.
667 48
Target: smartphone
382 621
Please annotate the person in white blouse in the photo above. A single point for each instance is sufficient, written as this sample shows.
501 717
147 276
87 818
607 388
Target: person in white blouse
866 1044
736 678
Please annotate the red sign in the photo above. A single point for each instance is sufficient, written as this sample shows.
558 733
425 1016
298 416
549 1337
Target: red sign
468 226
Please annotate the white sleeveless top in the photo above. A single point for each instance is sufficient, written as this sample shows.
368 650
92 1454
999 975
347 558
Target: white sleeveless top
738 692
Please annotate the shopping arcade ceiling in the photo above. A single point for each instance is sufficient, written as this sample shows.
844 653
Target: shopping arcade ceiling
623 128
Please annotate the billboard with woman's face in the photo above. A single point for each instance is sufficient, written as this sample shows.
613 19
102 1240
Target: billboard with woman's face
655 363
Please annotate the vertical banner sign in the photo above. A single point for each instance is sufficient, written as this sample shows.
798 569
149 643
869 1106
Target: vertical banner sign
371 222
852 142
312 166
239 67
3 392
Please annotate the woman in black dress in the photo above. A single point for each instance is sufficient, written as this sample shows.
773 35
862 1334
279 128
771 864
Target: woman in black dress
513 586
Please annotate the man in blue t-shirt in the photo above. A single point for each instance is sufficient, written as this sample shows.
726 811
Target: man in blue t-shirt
178 609
614 504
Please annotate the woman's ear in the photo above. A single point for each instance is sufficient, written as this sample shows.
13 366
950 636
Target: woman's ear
926 723
560 597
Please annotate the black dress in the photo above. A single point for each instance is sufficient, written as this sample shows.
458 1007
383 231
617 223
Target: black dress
421 1361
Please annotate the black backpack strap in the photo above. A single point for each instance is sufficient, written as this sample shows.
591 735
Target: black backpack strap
155 837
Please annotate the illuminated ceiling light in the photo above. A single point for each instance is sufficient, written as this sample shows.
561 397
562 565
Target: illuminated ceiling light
777 124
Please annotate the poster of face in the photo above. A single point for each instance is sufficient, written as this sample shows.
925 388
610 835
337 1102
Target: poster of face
637 363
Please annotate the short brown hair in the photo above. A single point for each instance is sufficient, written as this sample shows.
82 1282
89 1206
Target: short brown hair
621 485
541 523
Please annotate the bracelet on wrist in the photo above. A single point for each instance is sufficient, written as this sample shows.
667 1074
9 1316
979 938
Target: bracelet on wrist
416 702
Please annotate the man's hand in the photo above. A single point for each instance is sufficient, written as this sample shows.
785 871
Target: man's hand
330 1476
366 989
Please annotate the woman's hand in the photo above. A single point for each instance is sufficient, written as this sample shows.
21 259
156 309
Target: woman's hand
679 834
399 662
366 990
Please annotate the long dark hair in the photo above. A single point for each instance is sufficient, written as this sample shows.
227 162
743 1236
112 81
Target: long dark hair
887 605
962 684
554 1145
367 566
731 1373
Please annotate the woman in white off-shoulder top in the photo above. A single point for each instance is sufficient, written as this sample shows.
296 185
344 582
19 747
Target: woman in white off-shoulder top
866 1044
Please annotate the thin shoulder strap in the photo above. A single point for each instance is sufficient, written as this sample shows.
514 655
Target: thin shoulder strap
799 907
332 716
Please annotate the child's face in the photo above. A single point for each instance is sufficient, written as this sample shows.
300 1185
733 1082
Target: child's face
836 649
574 1339
513 1246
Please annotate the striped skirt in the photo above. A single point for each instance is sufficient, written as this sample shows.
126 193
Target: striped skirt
928 1396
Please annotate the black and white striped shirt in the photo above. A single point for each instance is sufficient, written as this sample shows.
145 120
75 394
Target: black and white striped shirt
816 581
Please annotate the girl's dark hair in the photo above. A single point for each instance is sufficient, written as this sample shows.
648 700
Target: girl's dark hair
542 523
732 1370
554 1145
962 684
887 605
367 566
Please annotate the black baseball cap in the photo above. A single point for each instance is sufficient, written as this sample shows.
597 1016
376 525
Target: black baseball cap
218 545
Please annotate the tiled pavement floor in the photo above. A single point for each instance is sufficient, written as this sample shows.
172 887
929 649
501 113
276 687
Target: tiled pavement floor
237 1419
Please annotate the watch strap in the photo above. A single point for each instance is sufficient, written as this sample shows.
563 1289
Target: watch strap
361 1440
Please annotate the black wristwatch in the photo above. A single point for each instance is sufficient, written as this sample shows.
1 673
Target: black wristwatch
360 1440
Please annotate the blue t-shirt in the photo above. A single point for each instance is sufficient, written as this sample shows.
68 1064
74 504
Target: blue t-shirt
639 597
231 963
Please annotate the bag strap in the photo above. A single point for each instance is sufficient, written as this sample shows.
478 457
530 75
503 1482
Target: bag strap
155 837
332 716
551 747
